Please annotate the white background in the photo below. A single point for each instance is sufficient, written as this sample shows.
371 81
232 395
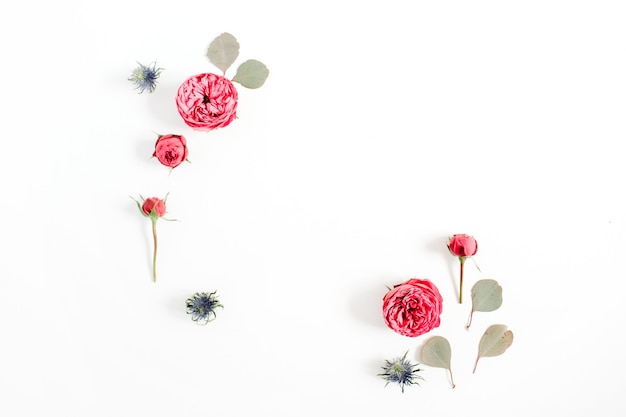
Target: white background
383 128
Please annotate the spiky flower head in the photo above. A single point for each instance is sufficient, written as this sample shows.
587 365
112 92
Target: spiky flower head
202 307
401 371
145 77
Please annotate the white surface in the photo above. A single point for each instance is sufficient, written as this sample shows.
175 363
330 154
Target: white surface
381 130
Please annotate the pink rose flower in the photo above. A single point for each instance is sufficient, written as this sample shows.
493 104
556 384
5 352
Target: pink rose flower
171 150
154 209
207 101
463 245
413 308
153 203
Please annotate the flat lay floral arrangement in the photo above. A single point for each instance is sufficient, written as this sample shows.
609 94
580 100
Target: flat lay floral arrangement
207 101
413 308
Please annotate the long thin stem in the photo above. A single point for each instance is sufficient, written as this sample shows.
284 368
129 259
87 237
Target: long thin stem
462 263
451 379
469 321
476 364
154 234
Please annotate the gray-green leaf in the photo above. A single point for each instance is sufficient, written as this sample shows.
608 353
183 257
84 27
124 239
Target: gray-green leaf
436 352
223 51
251 74
494 342
486 296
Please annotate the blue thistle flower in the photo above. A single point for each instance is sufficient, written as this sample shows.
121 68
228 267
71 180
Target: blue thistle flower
145 77
401 371
202 307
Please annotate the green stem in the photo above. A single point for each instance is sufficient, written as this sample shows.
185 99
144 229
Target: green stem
154 234
462 263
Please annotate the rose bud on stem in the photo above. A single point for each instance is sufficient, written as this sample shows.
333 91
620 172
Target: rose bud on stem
153 208
462 246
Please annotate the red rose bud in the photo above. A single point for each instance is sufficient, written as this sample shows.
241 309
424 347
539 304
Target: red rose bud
462 246
154 208
207 101
413 307
171 150
153 204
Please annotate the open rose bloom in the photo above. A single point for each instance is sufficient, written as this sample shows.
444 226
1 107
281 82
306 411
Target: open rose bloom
207 101
171 150
413 308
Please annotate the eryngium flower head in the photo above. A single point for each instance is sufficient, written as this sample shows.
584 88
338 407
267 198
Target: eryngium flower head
202 307
401 371
145 77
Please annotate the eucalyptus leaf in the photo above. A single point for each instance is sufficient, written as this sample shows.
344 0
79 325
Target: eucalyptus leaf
223 51
251 74
486 296
437 353
496 340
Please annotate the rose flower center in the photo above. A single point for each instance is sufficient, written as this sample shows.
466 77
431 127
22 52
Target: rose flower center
171 156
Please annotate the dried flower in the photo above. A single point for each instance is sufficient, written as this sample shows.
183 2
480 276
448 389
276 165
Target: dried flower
401 371
145 77
202 307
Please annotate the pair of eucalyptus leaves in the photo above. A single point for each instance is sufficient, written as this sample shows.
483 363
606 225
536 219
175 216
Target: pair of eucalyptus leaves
223 52
486 297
